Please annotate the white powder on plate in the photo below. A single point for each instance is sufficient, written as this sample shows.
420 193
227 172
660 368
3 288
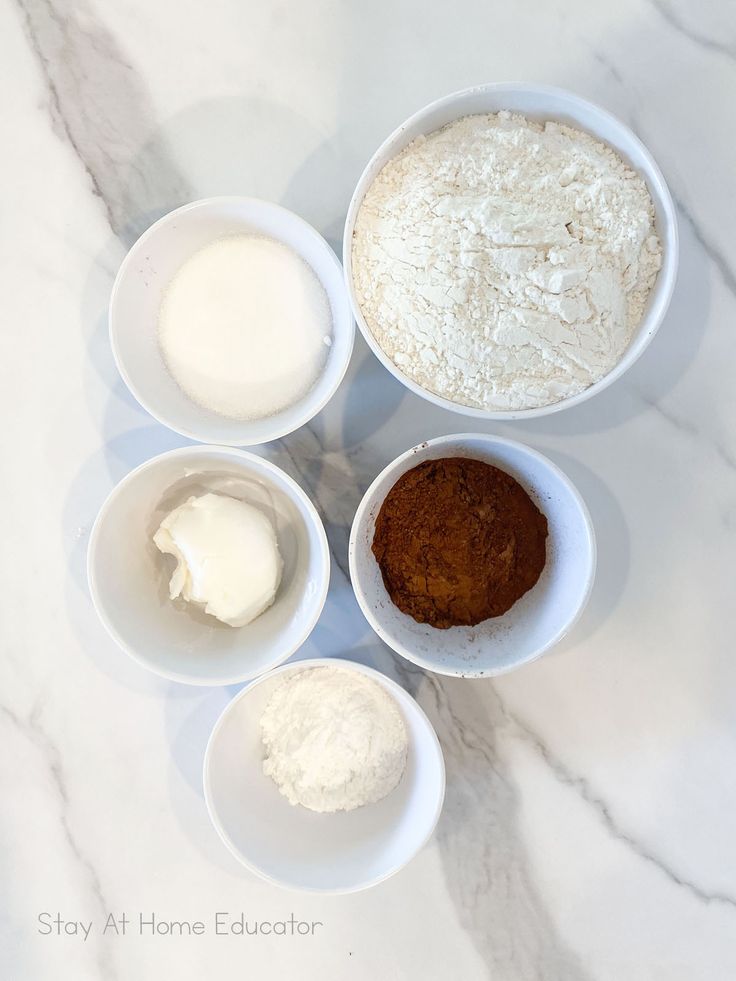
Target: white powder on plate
244 327
334 739
503 263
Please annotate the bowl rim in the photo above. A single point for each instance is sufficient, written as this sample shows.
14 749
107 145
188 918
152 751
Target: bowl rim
254 461
667 274
393 688
453 439
346 325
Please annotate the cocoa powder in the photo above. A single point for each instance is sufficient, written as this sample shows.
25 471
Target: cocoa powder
458 541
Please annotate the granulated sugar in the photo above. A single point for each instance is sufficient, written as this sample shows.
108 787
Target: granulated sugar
505 264
244 327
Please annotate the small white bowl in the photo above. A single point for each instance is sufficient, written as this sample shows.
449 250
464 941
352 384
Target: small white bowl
538 102
148 269
129 577
538 620
294 847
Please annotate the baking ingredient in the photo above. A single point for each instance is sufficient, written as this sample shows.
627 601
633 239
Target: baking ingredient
245 327
227 557
334 739
503 263
458 541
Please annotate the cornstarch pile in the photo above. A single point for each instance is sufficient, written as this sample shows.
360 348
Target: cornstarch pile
334 740
505 264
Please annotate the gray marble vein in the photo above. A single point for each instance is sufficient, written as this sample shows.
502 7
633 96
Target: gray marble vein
605 62
33 730
582 787
688 428
668 12
485 863
715 255
99 105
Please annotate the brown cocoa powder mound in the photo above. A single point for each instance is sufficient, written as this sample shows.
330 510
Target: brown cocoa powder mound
458 541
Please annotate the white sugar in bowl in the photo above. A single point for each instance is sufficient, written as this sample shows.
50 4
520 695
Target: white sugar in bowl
140 285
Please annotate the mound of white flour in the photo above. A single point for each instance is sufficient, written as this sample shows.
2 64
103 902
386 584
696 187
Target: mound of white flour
505 264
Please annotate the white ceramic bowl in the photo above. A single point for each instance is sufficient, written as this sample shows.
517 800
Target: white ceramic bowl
297 848
539 102
136 296
129 577
538 620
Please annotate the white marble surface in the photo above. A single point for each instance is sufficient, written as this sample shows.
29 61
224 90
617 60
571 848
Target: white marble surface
588 833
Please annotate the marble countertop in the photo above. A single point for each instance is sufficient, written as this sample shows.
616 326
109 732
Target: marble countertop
588 829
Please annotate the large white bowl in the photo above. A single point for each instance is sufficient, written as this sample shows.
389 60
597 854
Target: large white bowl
150 266
129 577
297 848
537 621
539 102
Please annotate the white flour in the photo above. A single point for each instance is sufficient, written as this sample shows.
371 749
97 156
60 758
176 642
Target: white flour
334 740
505 264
